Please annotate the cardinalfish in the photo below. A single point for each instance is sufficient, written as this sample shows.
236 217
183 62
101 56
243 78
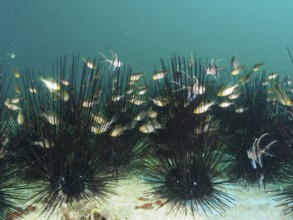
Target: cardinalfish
246 78
103 127
118 130
256 67
272 75
99 119
159 75
51 84
89 64
11 105
146 114
225 104
212 69
137 102
115 63
234 95
192 90
236 71
241 109
136 76
160 101
20 118
234 62
255 153
141 90
64 82
236 68
150 113
227 90
282 96
15 100
203 107
150 127
32 90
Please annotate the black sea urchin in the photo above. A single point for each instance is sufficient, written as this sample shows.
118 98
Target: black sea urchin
251 130
192 181
187 168
57 141
123 99
10 187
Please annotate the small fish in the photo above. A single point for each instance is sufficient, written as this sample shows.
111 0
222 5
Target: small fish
227 90
236 71
150 127
255 153
272 75
117 130
235 63
159 75
241 110
142 90
50 84
256 67
99 119
33 90
137 101
161 102
116 98
64 82
64 95
282 96
246 78
234 95
203 107
198 89
212 69
225 104
103 127
88 63
114 63
44 144
140 116
136 76
15 100
13 107
20 118
129 91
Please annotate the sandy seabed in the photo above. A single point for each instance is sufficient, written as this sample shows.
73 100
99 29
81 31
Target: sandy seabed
250 204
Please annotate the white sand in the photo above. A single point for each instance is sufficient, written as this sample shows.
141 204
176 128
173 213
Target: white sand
251 204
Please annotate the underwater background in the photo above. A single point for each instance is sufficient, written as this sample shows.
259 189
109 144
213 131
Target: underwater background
141 32
157 135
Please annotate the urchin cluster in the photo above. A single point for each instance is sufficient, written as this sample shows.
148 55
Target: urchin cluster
186 168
